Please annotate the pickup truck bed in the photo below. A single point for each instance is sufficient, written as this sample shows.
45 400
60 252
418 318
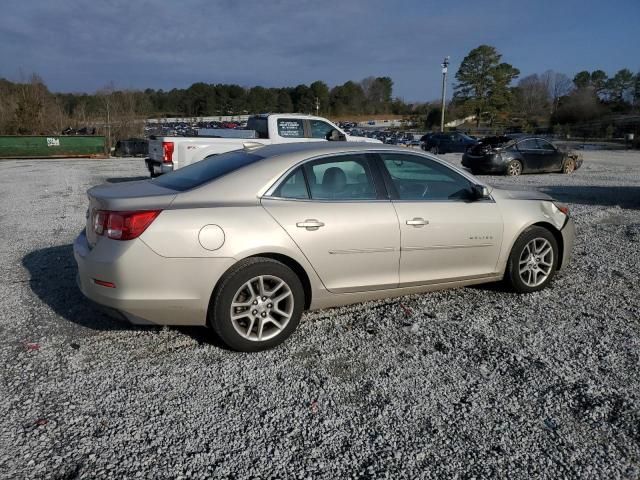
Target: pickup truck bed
171 153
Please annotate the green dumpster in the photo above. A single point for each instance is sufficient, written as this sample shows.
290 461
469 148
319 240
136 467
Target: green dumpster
46 146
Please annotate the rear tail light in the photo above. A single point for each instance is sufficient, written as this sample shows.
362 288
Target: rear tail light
167 152
104 283
123 225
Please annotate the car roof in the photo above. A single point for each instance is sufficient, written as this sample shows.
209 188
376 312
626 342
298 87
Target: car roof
320 148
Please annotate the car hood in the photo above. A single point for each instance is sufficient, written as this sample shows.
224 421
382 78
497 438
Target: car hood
519 194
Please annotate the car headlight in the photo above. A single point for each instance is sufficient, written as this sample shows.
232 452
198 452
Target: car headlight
562 207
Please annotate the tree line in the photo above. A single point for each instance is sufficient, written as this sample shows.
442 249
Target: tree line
487 89
29 107
590 104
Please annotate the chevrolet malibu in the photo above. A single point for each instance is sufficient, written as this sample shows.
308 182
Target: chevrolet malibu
247 240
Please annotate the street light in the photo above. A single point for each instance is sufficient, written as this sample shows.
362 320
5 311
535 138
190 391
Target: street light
445 66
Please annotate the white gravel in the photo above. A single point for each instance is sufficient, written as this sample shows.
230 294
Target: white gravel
474 382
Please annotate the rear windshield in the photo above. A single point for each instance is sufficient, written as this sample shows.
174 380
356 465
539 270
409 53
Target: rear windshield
212 167
259 124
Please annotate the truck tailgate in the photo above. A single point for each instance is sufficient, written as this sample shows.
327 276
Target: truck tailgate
155 150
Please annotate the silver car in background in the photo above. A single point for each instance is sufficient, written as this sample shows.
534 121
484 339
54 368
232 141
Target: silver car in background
246 241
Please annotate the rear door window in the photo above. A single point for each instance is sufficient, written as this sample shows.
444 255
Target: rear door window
293 187
259 125
343 177
529 144
291 128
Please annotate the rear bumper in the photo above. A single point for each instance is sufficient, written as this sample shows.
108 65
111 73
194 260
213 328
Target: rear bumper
158 168
148 288
568 239
484 164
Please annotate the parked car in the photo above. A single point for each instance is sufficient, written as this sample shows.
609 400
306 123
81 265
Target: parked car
452 142
514 156
246 240
171 153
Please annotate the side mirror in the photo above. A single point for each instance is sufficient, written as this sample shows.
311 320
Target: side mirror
335 136
481 191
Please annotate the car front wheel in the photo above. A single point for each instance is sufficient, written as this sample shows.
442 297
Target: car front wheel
569 166
533 260
257 305
514 168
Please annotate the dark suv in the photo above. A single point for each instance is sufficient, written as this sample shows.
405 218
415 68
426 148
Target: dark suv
448 142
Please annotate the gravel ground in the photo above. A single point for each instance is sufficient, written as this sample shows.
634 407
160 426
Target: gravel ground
473 382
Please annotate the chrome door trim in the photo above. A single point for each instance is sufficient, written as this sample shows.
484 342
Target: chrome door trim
444 247
362 250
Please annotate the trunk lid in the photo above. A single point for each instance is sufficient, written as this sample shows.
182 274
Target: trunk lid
127 196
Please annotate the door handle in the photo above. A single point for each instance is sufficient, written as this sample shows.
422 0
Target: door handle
310 224
418 222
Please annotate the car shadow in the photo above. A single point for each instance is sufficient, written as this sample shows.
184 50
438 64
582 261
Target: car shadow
52 272
126 179
622 196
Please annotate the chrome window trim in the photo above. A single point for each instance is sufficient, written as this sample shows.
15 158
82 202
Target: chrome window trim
274 186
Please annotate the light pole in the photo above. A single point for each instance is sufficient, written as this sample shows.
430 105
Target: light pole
445 66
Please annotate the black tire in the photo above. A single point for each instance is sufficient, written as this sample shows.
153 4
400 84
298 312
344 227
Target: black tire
514 168
435 150
512 274
219 314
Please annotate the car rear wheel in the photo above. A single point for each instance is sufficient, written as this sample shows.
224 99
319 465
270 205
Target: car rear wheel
257 305
569 166
514 168
533 260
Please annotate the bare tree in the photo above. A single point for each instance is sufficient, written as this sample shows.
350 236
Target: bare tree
558 85
532 96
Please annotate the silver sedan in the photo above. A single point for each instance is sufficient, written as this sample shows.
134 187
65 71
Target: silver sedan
246 241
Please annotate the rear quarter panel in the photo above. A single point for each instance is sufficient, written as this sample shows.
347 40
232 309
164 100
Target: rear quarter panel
248 230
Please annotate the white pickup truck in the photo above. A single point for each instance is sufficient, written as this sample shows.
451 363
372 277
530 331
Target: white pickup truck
170 153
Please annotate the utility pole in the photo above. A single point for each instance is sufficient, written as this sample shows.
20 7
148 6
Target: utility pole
317 107
445 66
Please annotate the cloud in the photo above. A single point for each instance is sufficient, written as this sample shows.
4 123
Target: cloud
83 45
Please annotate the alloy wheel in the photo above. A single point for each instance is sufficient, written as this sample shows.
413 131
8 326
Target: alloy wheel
536 262
569 167
262 308
515 168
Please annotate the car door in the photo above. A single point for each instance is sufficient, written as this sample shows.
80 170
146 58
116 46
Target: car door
446 233
336 211
457 143
533 156
552 157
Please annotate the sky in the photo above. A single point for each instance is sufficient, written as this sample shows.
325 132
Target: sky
81 46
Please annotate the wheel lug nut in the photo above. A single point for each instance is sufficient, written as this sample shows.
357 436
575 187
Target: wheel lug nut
255 302
264 298
270 305
255 312
264 314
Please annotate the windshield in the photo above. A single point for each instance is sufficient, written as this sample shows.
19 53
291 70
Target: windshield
211 168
